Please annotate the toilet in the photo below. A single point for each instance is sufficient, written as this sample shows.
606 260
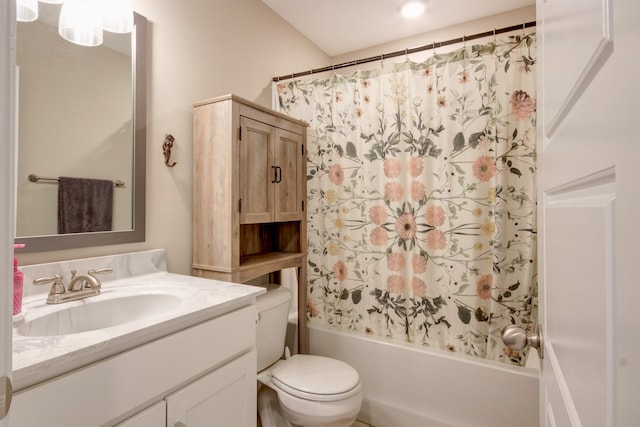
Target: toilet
300 390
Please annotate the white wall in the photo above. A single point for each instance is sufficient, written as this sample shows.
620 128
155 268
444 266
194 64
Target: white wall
197 49
506 19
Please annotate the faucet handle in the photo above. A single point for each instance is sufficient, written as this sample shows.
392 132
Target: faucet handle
58 286
104 270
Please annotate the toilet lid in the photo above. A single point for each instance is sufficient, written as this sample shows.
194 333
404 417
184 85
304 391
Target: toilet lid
307 376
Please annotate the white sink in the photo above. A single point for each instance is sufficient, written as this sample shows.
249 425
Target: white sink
114 307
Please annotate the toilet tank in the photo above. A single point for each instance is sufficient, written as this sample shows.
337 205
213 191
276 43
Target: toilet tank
273 315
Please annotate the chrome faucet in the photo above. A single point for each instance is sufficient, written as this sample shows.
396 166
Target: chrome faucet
79 287
85 281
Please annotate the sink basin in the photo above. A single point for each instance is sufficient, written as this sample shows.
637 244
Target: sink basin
96 313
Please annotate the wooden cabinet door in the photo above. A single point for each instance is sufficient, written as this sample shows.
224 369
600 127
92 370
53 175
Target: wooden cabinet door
290 161
226 397
257 174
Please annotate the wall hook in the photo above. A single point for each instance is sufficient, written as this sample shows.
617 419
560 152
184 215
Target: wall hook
167 145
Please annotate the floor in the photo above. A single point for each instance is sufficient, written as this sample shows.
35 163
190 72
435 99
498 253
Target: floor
356 424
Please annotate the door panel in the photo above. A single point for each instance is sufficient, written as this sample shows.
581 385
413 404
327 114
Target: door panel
290 159
256 172
225 397
588 202
579 229
590 40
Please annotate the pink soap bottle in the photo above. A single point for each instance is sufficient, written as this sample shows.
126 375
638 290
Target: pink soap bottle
18 278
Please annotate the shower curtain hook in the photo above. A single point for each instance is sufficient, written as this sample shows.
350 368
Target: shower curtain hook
434 48
523 27
464 41
381 60
495 38
406 54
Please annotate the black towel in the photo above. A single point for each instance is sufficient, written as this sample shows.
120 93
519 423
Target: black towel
84 205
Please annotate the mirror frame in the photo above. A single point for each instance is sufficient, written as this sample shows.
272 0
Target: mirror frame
137 234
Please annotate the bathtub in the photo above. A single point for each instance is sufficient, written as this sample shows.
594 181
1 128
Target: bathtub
409 387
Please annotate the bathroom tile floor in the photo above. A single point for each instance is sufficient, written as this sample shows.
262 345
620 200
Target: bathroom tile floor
356 424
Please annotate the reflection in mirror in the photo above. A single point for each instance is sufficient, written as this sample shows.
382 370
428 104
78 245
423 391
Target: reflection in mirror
81 113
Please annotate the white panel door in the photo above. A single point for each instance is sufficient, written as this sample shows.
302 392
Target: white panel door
7 183
588 180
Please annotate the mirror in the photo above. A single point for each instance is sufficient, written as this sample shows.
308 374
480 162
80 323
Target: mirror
80 113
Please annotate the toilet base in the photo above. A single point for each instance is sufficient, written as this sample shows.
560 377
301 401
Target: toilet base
272 413
269 409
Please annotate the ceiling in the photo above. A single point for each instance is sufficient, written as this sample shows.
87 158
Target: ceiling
341 26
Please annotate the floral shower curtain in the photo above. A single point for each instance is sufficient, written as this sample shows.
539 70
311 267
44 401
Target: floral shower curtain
421 197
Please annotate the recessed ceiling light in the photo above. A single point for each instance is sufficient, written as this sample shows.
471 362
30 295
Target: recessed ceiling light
412 9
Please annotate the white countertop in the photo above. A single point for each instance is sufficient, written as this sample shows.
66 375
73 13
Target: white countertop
36 359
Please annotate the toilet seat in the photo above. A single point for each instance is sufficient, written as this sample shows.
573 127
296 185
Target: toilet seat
316 378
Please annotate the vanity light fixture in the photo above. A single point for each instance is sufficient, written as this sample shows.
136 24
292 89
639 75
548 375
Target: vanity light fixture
81 22
117 16
412 9
27 10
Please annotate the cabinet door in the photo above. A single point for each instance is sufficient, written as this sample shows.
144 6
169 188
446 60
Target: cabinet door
226 397
155 416
257 174
290 159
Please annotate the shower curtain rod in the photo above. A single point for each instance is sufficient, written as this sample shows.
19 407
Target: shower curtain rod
397 53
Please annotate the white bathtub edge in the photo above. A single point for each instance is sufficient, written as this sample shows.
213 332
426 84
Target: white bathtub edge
406 387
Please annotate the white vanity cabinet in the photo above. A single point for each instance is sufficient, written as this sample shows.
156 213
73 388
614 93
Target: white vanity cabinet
200 376
218 398
155 416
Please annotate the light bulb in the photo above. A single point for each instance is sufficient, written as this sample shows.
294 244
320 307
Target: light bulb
27 10
412 9
117 16
81 22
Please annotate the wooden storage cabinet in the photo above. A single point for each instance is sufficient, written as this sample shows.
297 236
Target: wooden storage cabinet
249 185
271 177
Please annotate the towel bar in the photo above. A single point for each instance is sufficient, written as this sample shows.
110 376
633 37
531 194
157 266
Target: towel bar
35 178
